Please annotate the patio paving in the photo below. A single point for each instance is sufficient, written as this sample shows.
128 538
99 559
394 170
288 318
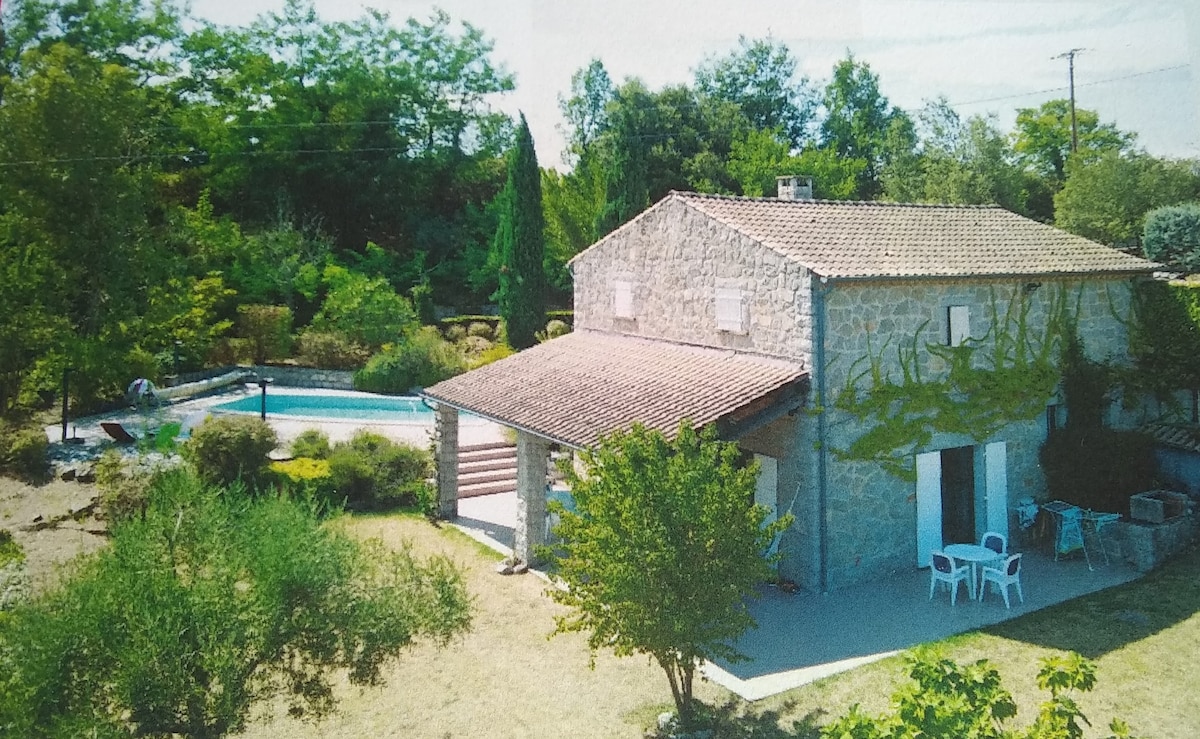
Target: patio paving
807 636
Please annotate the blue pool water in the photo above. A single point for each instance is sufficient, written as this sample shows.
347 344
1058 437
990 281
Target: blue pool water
383 408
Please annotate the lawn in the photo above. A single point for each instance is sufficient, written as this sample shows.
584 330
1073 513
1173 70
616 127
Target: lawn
508 679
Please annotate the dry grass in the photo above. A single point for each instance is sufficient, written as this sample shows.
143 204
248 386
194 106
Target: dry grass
504 679
508 679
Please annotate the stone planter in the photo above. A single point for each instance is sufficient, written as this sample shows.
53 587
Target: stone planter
1147 545
1157 506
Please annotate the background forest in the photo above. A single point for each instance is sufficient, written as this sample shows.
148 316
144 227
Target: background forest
175 195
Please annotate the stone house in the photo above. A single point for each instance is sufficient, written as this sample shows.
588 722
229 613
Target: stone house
760 314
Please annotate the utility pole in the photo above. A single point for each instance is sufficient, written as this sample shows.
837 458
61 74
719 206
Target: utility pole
1070 57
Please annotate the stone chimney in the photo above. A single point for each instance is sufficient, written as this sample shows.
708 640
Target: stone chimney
794 187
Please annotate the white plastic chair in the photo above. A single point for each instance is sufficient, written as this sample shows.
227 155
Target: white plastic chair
997 542
944 570
1007 574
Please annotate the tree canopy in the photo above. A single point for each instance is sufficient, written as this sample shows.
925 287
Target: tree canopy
520 244
663 549
208 606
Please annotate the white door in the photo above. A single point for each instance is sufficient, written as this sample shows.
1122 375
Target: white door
995 462
929 506
766 490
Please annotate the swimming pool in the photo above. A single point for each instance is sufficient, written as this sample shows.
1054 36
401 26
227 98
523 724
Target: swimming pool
377 408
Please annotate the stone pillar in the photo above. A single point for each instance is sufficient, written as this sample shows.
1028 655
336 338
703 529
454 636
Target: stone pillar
446 459
532 453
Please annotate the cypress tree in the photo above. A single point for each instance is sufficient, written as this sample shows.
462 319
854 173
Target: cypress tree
520 243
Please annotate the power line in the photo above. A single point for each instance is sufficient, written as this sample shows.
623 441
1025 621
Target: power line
1082 84
199 154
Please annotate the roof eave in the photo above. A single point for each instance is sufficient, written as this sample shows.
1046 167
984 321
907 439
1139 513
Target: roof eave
1147 272
503 422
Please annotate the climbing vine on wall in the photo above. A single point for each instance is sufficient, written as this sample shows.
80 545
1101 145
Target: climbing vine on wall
1165 337
1002 377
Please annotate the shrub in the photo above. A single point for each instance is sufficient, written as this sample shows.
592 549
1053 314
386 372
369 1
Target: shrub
556 328
489 355
225 449
1098 468
330 350
123 495
23 450
308 477
311 443
1172 235
268 328
455 332
372 472
481 329
10 550
422 358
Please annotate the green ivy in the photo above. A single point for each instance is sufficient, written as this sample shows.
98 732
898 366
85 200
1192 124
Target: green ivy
1001 378
1165 337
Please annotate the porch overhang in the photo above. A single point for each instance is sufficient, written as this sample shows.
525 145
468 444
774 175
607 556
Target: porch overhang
579 387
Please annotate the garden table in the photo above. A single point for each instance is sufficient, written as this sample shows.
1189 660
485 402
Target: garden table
974 554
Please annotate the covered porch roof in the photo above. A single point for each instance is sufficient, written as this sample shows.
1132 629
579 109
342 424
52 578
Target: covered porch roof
586 384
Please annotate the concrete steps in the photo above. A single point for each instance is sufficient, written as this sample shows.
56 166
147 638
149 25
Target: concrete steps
484 469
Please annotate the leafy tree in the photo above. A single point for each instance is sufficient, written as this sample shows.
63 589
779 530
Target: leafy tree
521 245
760 79
1172 236
626 170
208 607
758 157
585 111
962 162
570 203
267 329
77 182
1042 138
185 310
377 131
663 550
1107 197
364 309
946 699
860 123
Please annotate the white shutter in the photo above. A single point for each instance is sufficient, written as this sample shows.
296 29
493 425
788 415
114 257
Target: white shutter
995 462
959 322
623 299
929 506
731 313
766 488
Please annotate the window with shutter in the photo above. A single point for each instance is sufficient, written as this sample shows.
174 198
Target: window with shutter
731 310
623 299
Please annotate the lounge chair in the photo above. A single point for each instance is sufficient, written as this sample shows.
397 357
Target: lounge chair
118 432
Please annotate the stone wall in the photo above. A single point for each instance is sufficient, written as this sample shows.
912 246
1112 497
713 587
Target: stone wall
1147 545
308 377
676 259
284 375
871 514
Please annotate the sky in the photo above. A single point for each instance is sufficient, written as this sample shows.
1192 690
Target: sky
1139 66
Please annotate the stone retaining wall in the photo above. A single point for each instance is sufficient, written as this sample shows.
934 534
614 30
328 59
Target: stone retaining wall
282 375
308 377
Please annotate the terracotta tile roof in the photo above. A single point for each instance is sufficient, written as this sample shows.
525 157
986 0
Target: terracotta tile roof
1176 436
586 384
848 240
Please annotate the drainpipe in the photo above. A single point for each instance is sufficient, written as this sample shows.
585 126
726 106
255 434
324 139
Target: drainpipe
820 291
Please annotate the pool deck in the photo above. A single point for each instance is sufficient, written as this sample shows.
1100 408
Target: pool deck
141 422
